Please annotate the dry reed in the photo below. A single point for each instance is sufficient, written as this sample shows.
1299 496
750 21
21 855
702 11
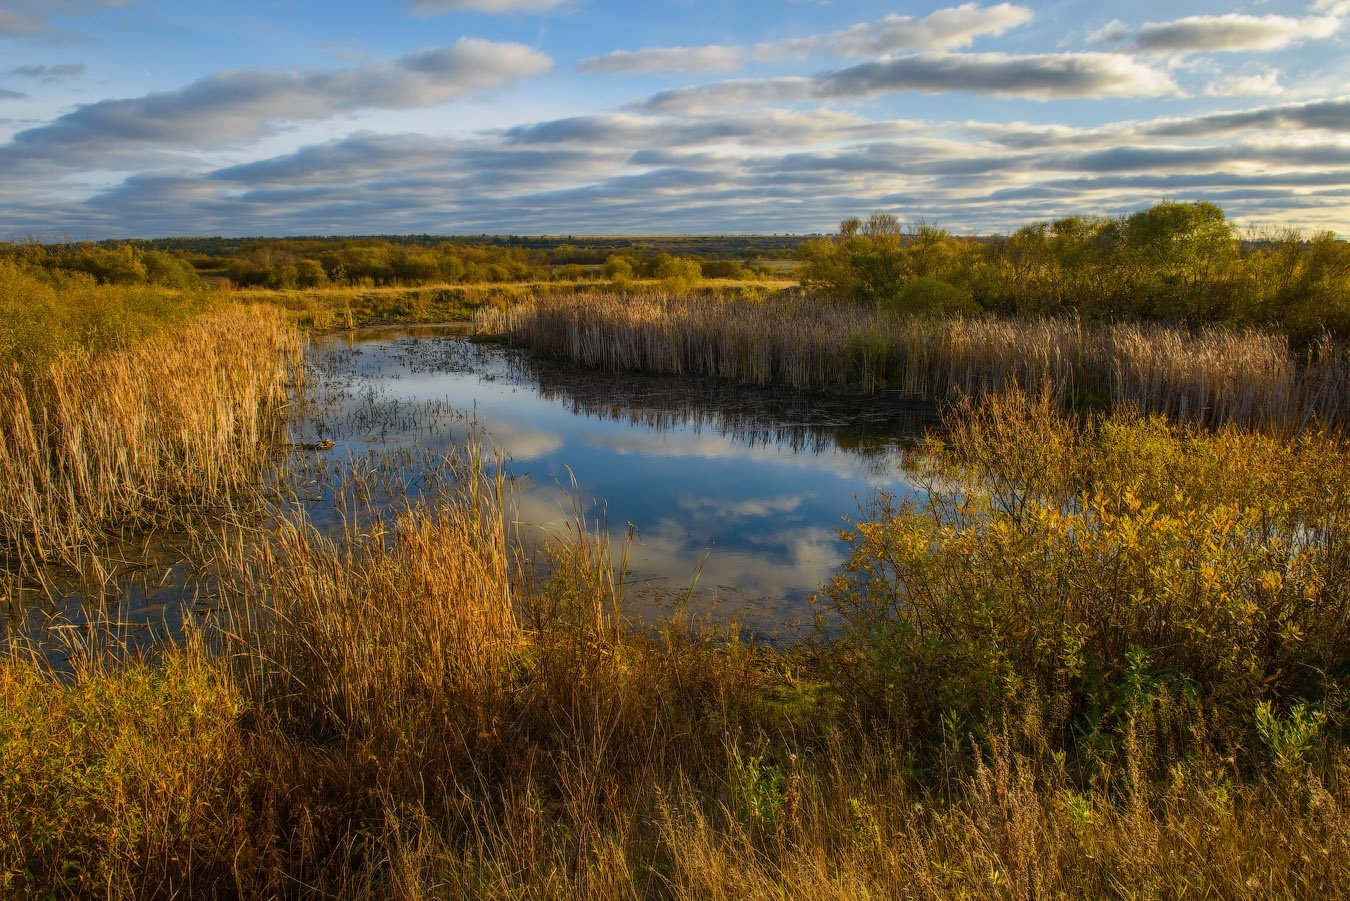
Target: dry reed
398 710
1214 375
182 420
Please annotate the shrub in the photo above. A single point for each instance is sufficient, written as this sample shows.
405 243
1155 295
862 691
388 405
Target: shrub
723 269
678 274
929 297
1098 565
113 785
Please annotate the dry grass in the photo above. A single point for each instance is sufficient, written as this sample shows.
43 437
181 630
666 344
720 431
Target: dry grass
1213 376
404 707
401 709
182 420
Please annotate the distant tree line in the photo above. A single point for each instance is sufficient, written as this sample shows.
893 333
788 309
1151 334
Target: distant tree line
121 264
310 263
1182 262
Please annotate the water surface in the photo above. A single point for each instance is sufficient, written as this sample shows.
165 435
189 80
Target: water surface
733 495
740 490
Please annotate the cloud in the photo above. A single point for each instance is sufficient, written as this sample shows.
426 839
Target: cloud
233 106
438 7
32 18
944 29
1331 115
709 58
758 170
749 508
47 73
11 95
14 23
761 127
1137 158
1226 33
1260 84
455 168
1041 76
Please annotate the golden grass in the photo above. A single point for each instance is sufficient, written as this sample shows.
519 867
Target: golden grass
346 307
1214 375
401 709
185 419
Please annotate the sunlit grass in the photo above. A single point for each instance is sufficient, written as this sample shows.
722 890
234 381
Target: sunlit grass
1105 656
402 708
1214 375
128 415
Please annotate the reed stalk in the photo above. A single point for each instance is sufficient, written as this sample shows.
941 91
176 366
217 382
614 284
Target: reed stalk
184 420
1212 376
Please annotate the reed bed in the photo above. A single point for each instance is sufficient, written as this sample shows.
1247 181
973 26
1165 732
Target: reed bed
400 708
413 604
183 420
1213 375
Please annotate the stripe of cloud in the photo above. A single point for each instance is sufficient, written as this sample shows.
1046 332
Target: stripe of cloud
1041 76
1322 115
1226 33
19 24
365 157
763 127
31 18
231 106
438 7
47 73
943 29
426 185
1331 115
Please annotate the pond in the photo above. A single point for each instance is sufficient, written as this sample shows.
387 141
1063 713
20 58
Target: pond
733 495
738 492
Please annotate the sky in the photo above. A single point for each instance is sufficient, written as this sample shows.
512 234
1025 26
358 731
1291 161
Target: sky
152 118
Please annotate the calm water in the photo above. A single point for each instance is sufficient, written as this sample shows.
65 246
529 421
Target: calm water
738 491
741 489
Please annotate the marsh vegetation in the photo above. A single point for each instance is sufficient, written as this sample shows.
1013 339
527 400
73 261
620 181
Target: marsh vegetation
1212 375
1101 651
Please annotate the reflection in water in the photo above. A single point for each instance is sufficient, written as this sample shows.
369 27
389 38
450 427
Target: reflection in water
744 488
741 488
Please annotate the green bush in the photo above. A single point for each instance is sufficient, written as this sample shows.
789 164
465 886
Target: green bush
46 314
929 297
115 783
678 274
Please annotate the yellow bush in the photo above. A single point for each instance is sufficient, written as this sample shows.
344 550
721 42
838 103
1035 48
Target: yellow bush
1099 565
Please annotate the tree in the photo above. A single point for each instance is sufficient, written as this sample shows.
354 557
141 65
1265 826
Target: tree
678 274
618 269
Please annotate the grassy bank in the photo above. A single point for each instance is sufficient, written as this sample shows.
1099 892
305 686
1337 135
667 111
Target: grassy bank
1072 677
126 407
1213 375
338 307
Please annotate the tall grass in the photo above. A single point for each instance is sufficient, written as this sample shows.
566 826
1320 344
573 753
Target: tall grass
97 440
1212 375
402 708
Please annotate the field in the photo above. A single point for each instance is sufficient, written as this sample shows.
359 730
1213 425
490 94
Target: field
1101 653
